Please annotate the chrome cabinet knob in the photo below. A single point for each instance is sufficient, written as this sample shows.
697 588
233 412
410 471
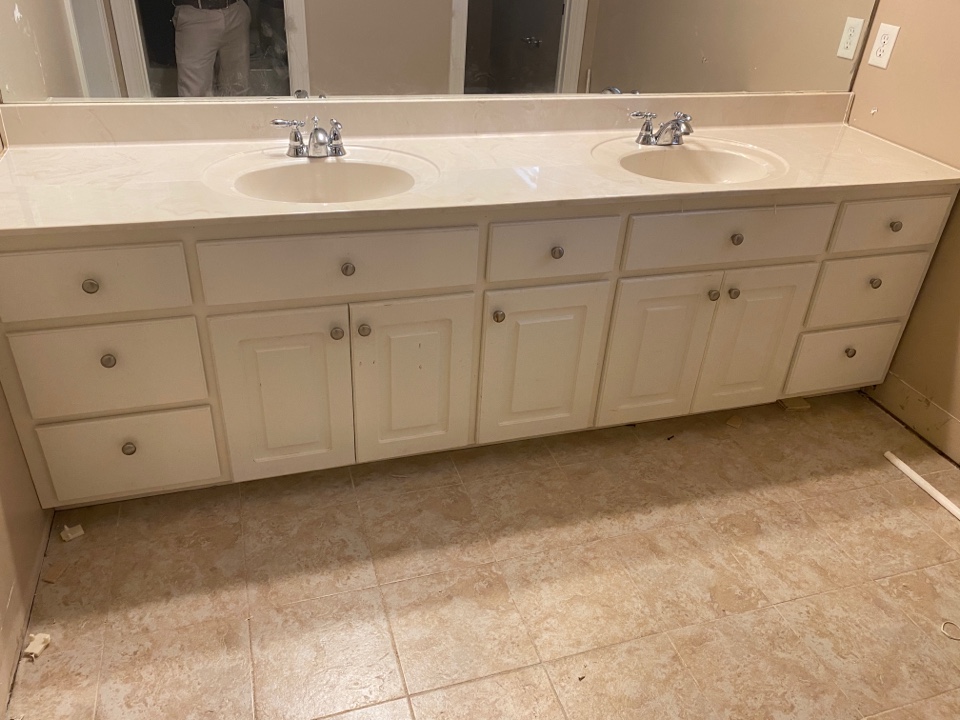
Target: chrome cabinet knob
896 226
364 330
875 283
348 269
108 361
90 286
737 239
499 316
128 448
714 295
556 253
850 352
337 333
734 293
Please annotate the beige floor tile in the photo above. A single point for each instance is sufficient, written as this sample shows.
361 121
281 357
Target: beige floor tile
880 535
577 599
305 553
401 475
592 445
456 626
754 666
880 659
942 707
323 657
505 459
145 676
180 513
172 581
59 685
686 575
930 597
532 512
786 552
639 680
519 695
908 494
99 524
396 710
74 608
424 532
292 493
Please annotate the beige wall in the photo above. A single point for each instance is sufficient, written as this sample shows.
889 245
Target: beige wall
710 46
915 102
372 47
36 60
23 534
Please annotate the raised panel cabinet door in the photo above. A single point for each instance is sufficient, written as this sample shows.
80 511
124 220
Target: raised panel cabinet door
542 350
284 382
755 331
659 334
413 363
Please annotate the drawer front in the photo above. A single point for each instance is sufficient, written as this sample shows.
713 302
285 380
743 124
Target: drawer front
87 459
67 372
727 236
242 271
556 248
54 284
867 289
823 362
878 224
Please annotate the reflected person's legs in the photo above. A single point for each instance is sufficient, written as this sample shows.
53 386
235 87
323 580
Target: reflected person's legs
198 41
234 76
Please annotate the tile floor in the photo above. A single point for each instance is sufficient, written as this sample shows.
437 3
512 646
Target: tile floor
680 569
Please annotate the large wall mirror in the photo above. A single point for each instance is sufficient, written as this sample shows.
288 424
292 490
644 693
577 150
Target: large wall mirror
129 49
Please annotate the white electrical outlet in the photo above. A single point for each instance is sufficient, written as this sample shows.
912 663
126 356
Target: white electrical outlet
883 46
850 40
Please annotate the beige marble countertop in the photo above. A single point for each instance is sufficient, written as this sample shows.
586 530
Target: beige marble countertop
134 184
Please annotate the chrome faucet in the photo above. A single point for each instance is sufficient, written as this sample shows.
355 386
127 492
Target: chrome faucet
669 133
320 143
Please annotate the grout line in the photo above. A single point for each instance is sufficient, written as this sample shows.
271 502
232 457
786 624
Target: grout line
394 646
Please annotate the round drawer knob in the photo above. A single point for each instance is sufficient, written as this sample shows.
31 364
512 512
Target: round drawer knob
714 295
348 269
734 293
90 286
556 253
499 316
108 361
896 226
128 449
337 333
850 352
875 283
364 330
737 239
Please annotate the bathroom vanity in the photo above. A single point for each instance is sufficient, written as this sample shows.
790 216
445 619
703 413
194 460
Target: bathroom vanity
523 285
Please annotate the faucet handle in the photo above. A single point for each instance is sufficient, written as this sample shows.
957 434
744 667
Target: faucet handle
682 117
295 124
643 115
335 127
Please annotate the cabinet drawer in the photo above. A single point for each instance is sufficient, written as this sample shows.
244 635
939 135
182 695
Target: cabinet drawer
54 284
727 236
823 359
867 289
556 248
67 372
877 224
241 271
88 459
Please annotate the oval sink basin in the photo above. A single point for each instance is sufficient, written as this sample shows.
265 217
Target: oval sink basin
325 181
700 161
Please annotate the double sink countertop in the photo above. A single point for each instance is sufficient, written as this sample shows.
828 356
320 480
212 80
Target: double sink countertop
131 184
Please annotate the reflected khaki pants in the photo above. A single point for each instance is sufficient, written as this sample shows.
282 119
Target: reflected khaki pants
202 36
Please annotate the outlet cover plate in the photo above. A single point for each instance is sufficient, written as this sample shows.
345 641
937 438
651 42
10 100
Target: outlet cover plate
883 45
850 40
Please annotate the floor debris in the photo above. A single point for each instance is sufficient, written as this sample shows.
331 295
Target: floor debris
38 643
71 533
735 422
55 571
955 634
793 404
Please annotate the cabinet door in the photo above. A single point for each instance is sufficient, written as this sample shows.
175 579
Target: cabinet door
284 382
413 375
754 333
657 341
541 355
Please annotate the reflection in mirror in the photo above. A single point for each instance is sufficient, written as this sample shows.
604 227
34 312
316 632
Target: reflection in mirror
70 49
